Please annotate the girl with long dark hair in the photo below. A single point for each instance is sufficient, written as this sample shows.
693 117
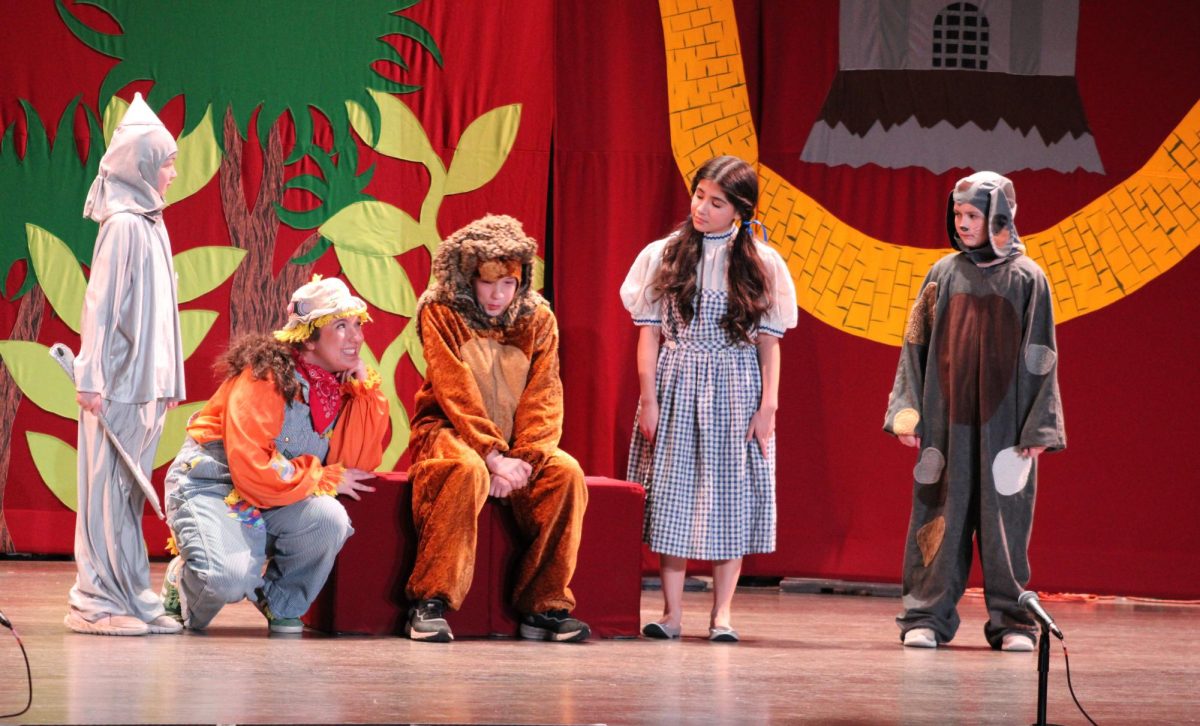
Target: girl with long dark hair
711 303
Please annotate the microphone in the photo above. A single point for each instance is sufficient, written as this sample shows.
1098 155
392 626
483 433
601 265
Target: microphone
1029 601
5 621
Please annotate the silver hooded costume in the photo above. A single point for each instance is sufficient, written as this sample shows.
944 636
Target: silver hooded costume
131 354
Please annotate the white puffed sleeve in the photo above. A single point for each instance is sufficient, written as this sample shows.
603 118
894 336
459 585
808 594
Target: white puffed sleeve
637 292
781 314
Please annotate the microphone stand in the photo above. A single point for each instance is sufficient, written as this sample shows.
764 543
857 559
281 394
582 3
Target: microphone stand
1043 666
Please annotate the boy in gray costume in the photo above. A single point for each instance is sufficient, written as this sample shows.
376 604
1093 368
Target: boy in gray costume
976 391
130 369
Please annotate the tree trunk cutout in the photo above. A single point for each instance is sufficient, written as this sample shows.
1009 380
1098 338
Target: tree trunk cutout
27 328
258 297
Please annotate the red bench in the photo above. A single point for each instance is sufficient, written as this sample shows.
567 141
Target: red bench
365 590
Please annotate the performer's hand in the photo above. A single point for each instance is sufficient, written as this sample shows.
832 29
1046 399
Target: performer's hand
648 420
500 487
173 403
359 372
1032 452
762 427
351 483
91 402
515 471
910 440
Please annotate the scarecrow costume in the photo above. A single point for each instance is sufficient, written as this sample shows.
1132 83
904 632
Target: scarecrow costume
491 384
255 483
131 355
976 383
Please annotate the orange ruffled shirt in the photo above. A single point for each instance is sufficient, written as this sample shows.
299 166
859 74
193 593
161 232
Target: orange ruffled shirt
247 415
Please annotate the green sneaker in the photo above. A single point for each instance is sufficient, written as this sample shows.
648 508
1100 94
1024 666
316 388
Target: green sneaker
170 590
275 623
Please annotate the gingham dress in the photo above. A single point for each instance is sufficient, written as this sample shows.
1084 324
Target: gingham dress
710 494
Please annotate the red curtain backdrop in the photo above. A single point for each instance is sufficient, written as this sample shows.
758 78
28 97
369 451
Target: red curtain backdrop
1117 511
592 175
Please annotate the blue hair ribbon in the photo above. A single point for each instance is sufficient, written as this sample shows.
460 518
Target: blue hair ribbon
749 225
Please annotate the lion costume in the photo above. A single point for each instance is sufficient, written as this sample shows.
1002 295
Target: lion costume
491 383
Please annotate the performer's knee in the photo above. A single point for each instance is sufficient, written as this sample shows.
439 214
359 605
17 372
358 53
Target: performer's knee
563 472
330 520
461 474
230 577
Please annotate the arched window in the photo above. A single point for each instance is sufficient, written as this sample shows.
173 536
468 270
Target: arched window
960 38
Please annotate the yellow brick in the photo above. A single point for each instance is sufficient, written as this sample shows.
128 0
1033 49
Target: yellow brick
1081 258
1097 223
880 311
1190 194
1118 259
813 261
858 316
1187 219
795 265
1120 199
837 277
1141 260
1184 156
1171 198
820 279
1164 218
845 295
693 37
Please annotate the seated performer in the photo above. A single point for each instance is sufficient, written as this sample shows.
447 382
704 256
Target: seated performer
488 420
298 420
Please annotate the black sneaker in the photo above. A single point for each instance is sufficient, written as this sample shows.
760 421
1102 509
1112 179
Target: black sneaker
556 625
426 621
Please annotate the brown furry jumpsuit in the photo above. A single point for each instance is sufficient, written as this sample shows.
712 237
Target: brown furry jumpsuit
490 383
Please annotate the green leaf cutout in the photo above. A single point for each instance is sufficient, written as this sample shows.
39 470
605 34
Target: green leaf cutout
321 247
39 378
397 414
412 345
202 269
174 430
198 160
381 280
483 149
373 228
193 326
113 113
58 273
539 273
56 462
401 135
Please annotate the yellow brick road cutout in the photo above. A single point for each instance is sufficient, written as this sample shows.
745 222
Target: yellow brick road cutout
1122 240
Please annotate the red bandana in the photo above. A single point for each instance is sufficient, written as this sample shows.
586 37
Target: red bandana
324 393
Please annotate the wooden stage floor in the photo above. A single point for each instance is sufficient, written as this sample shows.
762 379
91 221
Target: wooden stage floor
828 659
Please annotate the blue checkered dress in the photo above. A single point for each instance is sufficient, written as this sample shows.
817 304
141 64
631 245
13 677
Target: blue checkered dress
710 494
